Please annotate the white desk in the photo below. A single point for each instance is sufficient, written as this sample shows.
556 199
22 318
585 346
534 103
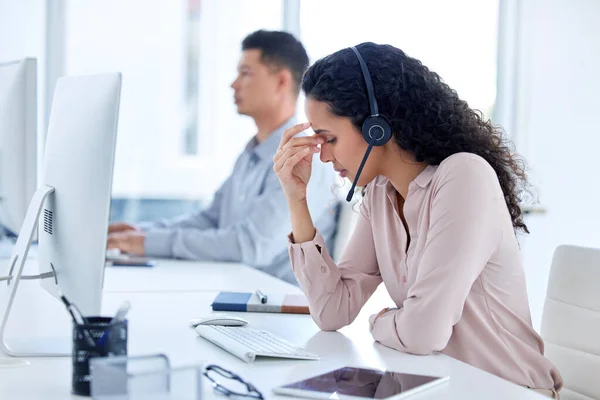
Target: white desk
169 275
188 276
181 276
158 323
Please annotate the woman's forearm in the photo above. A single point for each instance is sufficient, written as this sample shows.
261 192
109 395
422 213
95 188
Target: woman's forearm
303 229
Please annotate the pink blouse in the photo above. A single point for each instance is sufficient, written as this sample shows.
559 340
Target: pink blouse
459 288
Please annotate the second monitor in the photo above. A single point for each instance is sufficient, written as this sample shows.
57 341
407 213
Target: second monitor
18 141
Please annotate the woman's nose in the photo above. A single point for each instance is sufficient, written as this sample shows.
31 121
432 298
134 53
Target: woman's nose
326 154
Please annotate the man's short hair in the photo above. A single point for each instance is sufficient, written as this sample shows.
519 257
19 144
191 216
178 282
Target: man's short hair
281 50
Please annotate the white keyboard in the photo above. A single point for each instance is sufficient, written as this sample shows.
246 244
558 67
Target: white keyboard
248 343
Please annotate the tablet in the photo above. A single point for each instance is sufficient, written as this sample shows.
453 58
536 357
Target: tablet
360 383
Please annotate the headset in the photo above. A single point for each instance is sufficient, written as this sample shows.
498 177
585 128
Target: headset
376 129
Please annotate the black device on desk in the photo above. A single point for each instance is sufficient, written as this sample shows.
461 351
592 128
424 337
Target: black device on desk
130 260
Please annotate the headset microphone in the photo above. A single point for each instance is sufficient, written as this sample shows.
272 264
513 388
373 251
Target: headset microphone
376 129
362 164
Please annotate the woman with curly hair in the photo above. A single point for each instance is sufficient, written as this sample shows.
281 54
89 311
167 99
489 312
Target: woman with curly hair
438 219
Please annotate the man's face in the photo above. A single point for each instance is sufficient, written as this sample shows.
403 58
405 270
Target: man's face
257 87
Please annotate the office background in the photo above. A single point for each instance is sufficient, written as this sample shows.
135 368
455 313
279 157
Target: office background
529 65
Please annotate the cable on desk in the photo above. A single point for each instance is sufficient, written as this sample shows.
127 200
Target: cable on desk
45 275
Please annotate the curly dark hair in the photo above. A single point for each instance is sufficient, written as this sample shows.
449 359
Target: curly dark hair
427 117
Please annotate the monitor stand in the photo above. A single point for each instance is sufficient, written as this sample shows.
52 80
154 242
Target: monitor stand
31 347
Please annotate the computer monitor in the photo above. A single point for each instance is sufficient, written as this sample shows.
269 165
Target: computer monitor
18 141
72 203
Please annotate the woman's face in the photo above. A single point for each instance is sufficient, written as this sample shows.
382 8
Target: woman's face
344 145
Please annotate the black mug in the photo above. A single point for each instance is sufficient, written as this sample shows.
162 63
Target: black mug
98 338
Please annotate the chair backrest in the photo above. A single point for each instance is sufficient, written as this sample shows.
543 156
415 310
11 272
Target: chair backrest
571 320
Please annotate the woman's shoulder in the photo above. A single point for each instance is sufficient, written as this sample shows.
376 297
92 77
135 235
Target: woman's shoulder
464 159
465 166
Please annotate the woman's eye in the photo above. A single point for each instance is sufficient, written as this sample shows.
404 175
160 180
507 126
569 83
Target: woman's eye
331 140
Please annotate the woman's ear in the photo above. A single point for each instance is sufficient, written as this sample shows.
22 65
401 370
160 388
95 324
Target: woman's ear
285 80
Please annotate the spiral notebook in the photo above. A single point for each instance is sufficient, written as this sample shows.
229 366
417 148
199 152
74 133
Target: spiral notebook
249 302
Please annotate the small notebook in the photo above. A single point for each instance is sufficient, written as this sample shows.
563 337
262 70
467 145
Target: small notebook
276 303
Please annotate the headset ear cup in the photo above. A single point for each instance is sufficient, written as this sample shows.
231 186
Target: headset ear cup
377 130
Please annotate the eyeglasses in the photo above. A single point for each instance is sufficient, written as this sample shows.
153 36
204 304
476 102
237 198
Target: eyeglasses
252 392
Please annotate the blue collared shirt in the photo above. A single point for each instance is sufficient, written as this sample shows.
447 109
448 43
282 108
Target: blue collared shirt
248 219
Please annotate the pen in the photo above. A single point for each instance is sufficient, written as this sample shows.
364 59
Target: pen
121 312
78 318
262 297
120 316
74 311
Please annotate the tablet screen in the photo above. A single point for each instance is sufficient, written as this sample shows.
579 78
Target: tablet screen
361 383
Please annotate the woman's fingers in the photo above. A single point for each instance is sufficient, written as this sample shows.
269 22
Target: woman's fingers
288 141
304 141
291 162
285 155
291 132
290 153
293 149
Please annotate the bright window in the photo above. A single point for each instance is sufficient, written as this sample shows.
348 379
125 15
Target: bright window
179 132
456 39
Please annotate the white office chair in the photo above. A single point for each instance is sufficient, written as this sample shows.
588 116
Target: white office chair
571 320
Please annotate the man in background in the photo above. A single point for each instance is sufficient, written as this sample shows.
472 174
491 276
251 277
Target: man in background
248 219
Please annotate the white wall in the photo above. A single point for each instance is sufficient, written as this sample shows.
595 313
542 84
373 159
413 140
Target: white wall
146 43
224 133
22 25
22 28
457 41
557 129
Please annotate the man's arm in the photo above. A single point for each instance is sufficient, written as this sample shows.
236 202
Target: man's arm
207 218
255 240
